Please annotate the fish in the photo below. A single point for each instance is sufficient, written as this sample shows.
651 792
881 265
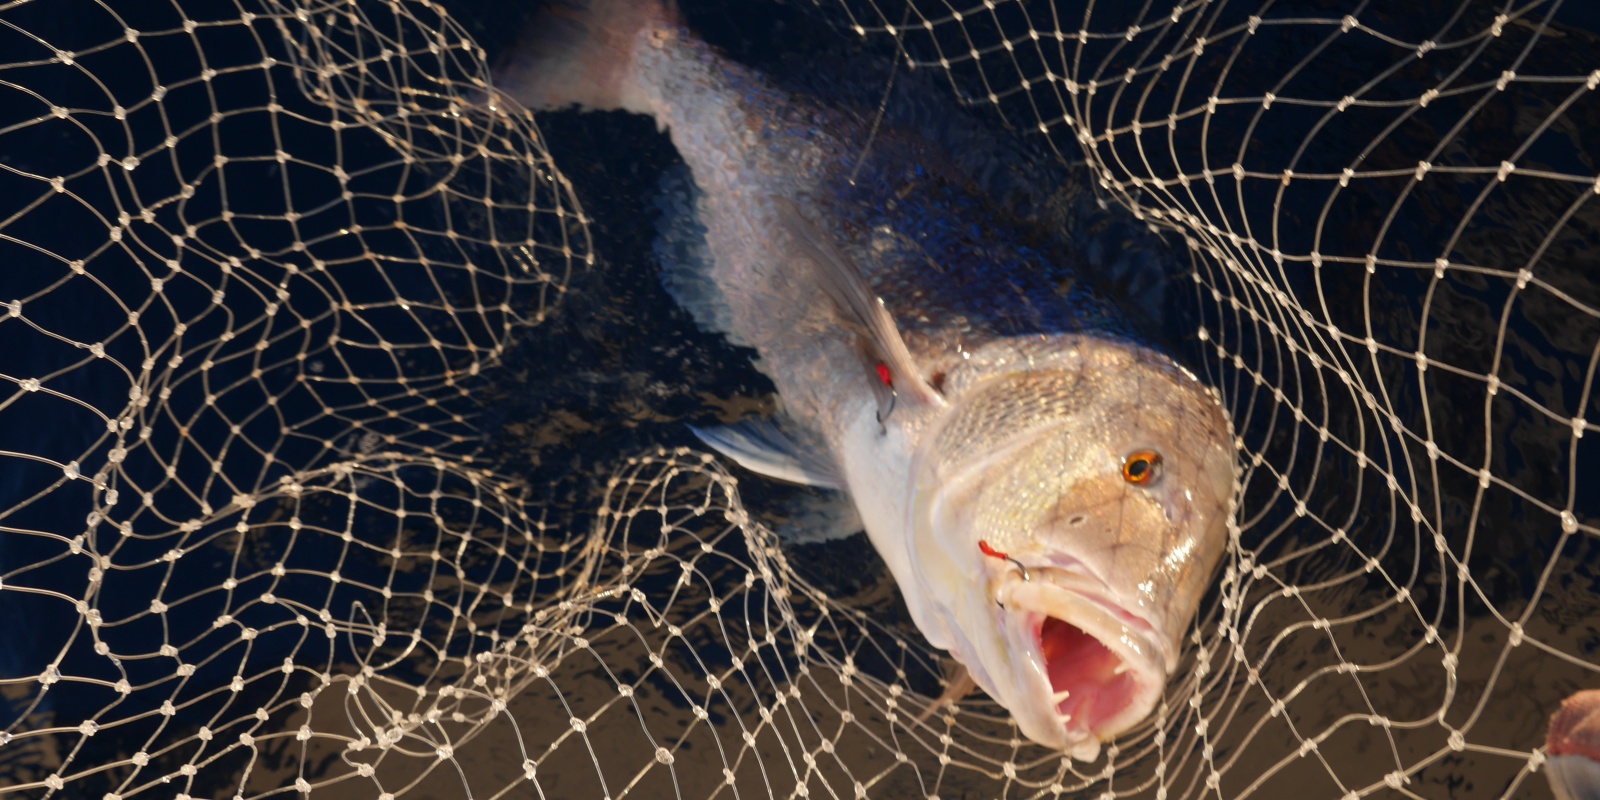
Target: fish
1573 747
1050 491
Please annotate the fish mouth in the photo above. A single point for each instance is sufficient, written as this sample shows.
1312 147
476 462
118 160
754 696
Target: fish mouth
1092 669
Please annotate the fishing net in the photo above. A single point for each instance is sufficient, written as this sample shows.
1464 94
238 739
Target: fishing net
295 437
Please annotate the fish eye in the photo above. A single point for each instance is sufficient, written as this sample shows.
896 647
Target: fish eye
1140 467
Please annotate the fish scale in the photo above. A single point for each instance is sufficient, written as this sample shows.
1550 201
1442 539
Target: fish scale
953 277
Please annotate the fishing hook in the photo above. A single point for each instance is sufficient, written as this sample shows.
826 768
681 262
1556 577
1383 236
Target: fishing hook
989 551
894 399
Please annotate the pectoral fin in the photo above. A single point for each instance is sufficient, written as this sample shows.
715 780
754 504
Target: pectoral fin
761 446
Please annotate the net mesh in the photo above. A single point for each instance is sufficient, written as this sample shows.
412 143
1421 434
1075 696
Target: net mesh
265 261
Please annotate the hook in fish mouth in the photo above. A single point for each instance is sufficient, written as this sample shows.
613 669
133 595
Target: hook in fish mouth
989 551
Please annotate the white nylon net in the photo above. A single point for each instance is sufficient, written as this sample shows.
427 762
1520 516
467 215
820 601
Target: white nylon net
274 511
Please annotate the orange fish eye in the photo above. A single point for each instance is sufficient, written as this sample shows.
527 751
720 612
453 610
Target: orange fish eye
1140 467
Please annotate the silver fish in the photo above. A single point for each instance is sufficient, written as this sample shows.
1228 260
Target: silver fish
1050 493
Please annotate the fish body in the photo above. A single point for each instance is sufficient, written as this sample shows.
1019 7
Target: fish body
1049 492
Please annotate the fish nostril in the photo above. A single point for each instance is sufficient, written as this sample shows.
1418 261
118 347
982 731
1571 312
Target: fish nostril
1077 519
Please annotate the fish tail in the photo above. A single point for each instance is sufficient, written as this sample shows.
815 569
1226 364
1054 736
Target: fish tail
585 53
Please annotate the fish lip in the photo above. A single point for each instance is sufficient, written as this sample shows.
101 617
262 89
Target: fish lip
1073 576
1083 601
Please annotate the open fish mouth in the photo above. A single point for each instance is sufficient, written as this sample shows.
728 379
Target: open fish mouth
1090 667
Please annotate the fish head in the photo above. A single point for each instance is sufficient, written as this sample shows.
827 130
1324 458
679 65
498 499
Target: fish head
1066 521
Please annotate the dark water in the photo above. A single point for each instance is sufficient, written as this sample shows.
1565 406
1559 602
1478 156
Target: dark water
618 369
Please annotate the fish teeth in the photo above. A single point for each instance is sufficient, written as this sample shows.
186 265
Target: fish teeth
1122 666
1059 697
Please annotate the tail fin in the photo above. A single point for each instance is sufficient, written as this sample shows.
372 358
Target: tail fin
583 53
